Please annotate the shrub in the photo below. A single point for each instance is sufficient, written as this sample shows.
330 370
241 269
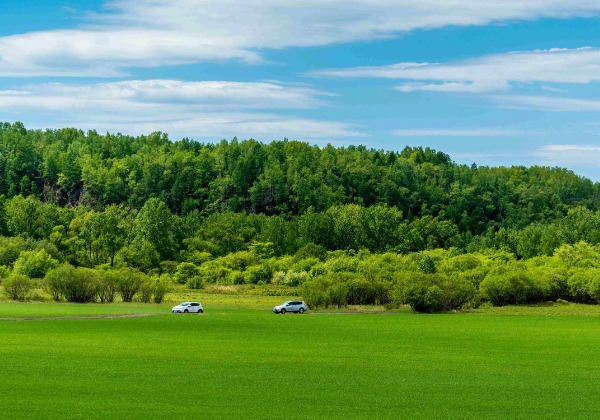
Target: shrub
258 274
168 267
341 263
313 292
238 260
129 282
34 264
434 292
215 274
584 286
514 287
426 265
18 287
195 282
4 272
146 290
552 283
342 289
424 298
310 250
10 249
578 288
305 264
360 292
594 286
262 249
337 295
74 285
235 277
185 271
161 287
290 278
107 285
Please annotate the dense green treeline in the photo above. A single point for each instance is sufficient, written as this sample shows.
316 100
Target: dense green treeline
289 213
288 178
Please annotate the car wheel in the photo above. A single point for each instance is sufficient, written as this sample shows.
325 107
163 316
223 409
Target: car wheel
186 311
301 310
282 311
200 311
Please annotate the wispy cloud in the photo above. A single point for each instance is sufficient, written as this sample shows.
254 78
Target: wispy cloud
148 33
212 109
547 103
207 94
488 73
569 155
470 132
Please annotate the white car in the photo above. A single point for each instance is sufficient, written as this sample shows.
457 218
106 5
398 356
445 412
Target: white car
188 307
297 306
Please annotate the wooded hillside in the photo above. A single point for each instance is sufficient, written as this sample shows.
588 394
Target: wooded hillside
152 204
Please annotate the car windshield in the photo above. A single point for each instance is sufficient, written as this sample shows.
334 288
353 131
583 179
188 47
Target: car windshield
184 304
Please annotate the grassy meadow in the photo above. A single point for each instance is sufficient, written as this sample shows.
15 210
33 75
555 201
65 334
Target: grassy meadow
238 359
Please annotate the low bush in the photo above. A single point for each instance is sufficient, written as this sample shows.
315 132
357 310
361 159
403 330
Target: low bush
290 278
511 288
161 287
184 272
431 293
311 250
108 285
214 274
584 285
256 274
72 284
235 277
35 264
342 289
195 283
18 287
146 290
129 282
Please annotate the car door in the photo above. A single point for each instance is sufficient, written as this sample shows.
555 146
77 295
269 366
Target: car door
292 307
194 307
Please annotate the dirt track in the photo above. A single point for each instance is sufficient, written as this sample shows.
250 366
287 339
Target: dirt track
47 318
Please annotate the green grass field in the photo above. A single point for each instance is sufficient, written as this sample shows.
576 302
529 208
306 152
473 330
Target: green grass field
239 360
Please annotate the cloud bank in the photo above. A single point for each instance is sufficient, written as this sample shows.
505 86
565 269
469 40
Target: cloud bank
150 33
207 110
490 73
466 132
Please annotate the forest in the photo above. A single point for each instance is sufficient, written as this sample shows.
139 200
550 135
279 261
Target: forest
92 216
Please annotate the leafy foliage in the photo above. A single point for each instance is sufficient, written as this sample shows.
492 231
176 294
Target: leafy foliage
350 225
17 287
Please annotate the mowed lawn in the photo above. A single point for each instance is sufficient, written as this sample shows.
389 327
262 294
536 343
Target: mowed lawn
244 362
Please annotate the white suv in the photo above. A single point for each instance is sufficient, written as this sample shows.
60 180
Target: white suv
185 307
291 306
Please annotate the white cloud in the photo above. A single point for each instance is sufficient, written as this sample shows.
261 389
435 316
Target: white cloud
183 109
489 73
149 33
569 155
547 103
470 132
145 93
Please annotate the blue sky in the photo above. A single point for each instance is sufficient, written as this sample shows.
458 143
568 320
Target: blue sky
496 83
